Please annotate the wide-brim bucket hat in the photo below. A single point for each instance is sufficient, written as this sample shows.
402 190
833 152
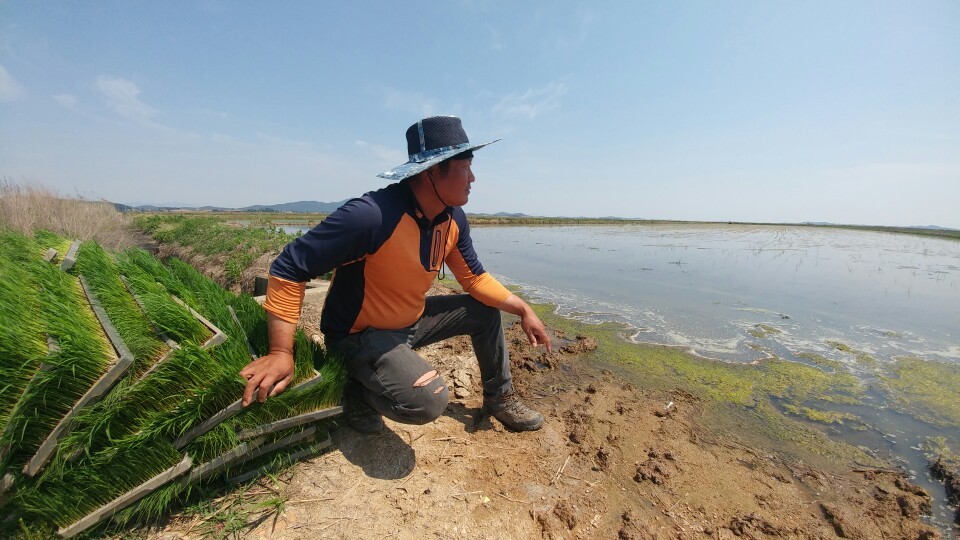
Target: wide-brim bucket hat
431 141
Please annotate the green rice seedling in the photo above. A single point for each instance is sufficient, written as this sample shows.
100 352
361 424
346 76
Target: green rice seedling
207 448
327 393
65 497
217 395
167 315
212 302
47 239
82 358
126 415
22 339
253 321
101 273
211 298
151 266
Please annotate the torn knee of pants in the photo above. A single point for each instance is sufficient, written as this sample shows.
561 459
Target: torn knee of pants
426 378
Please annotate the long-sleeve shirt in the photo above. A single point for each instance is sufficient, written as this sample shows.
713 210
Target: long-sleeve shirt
384 254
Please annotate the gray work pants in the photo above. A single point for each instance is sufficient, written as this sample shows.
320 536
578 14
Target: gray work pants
384 363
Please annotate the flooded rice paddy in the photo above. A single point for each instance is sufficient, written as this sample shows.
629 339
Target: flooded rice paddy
731 292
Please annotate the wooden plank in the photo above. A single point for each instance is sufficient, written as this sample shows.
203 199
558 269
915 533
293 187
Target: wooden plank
230 411
293 421
200 472
6 483
245 452
289 440
126 499
70 258
292 458
108 328
208 424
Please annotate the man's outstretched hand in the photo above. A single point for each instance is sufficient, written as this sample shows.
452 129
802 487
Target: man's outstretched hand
267 376
529 321
536 333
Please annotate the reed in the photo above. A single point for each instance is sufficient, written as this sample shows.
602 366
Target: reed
26 209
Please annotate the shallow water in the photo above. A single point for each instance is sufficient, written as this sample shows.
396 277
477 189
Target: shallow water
706 287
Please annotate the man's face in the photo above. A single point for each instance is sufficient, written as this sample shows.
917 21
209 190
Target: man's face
454 187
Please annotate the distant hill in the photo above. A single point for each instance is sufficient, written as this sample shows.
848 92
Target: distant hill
502 214
298 206
305 207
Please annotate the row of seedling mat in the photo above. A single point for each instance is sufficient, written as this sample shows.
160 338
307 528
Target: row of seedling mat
120 394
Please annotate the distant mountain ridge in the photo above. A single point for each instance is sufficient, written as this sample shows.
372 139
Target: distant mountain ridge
305 207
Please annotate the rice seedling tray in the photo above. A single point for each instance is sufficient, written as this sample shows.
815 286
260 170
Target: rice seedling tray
284 460
70 258
123 361
230 411
218 335
286 423
126 499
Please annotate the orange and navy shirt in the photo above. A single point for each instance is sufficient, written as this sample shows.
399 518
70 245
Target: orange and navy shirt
384 254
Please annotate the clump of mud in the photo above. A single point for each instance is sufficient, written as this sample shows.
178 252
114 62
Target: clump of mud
951 479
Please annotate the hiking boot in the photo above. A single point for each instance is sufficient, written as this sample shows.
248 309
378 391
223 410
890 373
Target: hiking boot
512 412
358 415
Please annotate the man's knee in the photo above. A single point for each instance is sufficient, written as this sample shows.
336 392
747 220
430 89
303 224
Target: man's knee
429 402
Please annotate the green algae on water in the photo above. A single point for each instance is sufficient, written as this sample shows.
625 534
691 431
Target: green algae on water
739 397
864 359
823 417
762 331
925 389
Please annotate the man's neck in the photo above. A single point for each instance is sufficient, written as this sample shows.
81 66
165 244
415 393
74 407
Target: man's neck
427 199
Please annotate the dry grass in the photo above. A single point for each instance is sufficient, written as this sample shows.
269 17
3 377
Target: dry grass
26 209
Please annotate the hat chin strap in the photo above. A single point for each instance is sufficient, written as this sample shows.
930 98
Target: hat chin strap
437 193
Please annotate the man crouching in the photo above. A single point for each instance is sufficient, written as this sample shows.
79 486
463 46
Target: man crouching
385 249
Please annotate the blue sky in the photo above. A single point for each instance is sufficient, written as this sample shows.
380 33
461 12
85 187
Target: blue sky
846 112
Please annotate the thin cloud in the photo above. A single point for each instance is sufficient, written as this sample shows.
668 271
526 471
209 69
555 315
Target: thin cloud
565 31
532 103
10 89
414 102
121 96
496 41
66 100
382 153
